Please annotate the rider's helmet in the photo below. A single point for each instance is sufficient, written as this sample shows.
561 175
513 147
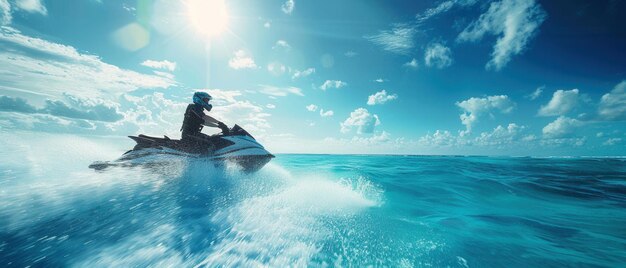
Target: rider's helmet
202 98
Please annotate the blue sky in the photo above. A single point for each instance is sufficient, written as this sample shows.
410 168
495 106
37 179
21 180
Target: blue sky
503 77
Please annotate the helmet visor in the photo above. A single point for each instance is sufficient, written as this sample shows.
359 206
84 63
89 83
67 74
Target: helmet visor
206 100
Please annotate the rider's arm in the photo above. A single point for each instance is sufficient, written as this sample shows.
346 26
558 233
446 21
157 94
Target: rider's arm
210 121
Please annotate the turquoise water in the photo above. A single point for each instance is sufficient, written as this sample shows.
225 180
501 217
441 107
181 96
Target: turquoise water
317 210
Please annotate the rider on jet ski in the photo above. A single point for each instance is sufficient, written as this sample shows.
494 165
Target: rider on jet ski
195 118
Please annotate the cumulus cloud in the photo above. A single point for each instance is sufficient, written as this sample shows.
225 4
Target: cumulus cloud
499 136
281 44
152 114
230 107
562 102
411 64
380 97
241 60
326 113
569 142
70 109
88 109
267 24
475 107
398 40
612 141
375 139
299 74
11 104
31 6
514 21
164 64
280 91
379 80
362 120
561 127
613 104
536 93
437 55
288 7
441 138
333 84
46 69
270 106
311 107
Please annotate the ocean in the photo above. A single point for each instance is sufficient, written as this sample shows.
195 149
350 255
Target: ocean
313 211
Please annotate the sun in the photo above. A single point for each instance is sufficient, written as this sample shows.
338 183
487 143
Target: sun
208 17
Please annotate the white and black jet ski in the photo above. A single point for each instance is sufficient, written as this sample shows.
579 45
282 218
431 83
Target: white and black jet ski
237 146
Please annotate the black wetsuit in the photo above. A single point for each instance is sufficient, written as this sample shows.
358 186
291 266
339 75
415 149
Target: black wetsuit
192 124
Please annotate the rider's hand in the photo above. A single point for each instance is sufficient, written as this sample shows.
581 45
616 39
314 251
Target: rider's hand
223 127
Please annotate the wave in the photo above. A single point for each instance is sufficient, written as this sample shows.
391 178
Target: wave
184 213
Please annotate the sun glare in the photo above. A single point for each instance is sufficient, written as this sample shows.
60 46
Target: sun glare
209 17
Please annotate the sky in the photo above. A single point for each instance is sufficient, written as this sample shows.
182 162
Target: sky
501 77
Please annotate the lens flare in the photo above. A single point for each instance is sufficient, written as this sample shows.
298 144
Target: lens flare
208 17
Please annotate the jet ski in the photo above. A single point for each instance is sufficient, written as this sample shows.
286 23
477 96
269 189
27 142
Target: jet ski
236 146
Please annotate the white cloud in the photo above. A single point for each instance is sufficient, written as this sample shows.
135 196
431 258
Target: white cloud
70 107
441 138
333 84
613 104
267 24
612 141
397 40
380 97
475 107
362 120
32 6
499 136
5 12
281 44
569 142
311 107
442 8
561 127
562 102
241 61
381 138
298 74
270 106
326 113
230 109
379 80
276 68
437 55
165 64
411 64
350 54
536 93
288 6
57 69
280 91
514 21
